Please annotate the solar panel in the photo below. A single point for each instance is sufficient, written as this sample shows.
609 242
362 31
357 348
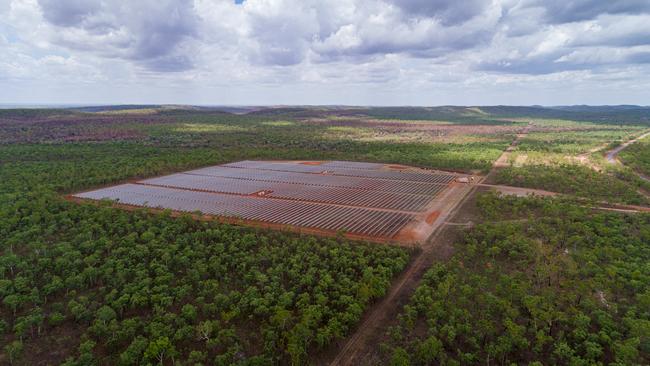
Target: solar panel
322 180
352 165
362 221
207 183
416 176
361 198
345 196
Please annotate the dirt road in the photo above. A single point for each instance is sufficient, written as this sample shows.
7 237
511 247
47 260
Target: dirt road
372 327
359 347
613 159
611 155
504 159
362 343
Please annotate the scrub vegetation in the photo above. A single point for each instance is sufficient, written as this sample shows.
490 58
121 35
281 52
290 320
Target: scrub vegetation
637 156
544 282
568 157
85 284
577 180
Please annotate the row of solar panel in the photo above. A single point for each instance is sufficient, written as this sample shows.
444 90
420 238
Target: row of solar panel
357 220
415 176
335 195
352 165
320 165
322 180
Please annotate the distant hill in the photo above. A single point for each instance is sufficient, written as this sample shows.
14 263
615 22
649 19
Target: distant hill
601 108
109 108
610 114
619 114
166 108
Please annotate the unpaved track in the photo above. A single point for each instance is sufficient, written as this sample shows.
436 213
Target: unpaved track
613 159
503 160
611 155
637 209
585 157
360 342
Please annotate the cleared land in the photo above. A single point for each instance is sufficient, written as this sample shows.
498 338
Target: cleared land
363 200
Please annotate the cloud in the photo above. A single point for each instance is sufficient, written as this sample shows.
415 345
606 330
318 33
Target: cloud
392 29
169 35
591 44
590 57
564 11
68 13
281 37
446 12
404 44
155 34
615 30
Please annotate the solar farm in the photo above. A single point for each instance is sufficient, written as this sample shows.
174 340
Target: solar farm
370 201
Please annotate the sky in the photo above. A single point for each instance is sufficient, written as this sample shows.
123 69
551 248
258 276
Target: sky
344 52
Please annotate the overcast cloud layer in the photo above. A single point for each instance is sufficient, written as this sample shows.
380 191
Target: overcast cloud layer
371 52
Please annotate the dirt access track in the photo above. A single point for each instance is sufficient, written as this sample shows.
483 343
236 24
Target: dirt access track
612 155
378 202
358 349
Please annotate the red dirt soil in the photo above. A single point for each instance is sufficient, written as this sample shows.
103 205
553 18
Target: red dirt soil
431 218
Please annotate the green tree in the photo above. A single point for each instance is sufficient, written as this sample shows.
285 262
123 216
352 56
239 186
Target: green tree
55 318
13 351
134 352
12 301
400 357
189 312
86 356
197 357
105 314
428 350
160 349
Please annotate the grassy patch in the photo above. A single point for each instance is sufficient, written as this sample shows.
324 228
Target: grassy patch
208 128
637 156
572 179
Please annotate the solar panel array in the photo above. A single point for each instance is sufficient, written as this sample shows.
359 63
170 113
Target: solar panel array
316 165
321 180
207 183
297 191
356 220
345 171
352 165
360 198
